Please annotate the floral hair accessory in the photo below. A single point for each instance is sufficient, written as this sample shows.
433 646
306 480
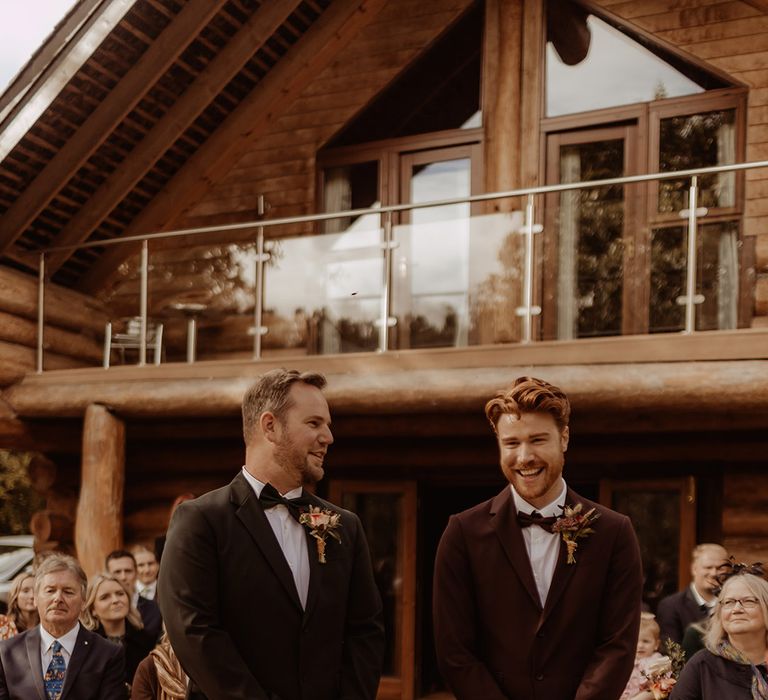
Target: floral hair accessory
321 522
573 525
733 568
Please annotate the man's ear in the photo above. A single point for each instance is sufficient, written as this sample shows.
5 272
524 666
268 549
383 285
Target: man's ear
564 435
268 425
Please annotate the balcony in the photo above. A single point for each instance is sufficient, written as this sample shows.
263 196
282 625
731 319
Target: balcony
548 275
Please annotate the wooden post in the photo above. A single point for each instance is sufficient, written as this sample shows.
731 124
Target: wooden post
99 524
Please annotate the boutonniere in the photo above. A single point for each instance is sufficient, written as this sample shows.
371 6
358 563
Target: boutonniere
321 523
661 674
572 525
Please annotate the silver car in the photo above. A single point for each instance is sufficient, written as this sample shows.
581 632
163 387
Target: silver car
16 555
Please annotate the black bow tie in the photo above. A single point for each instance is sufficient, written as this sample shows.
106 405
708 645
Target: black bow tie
270 498
535 518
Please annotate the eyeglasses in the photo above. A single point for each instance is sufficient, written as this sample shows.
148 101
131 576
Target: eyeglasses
747 603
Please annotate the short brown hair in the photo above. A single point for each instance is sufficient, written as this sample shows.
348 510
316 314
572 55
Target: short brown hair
270 393
530 395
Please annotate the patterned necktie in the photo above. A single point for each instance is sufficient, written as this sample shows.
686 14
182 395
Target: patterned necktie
54 676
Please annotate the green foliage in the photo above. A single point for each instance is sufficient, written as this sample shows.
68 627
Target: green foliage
17 499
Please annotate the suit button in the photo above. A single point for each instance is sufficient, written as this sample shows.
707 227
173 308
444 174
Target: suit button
540 677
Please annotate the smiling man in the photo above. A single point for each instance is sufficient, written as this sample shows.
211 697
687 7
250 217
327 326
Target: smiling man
521 613
254 606
60 658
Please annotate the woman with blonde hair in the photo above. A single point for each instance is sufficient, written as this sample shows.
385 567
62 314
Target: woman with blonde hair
160 676
22 613
108 611
733 664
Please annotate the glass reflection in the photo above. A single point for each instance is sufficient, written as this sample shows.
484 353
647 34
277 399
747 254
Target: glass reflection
716 277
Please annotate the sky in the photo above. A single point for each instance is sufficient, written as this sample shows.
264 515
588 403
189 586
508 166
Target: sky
24 25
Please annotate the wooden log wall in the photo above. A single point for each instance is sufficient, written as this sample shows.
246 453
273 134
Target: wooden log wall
745 515
73 334
730 36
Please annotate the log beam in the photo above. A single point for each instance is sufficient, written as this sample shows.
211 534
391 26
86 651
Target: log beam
99 524
338 25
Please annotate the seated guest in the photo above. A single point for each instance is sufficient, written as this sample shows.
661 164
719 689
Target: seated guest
122 566
59 657
733 665
22 613
695 602
160 676
648 640
146 572
109 613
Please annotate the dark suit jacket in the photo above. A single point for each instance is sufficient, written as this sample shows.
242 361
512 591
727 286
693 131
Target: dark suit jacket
234 617
96 670
150 616
676 612
138 644
494 641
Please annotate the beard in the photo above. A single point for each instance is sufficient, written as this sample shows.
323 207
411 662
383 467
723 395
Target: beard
296 462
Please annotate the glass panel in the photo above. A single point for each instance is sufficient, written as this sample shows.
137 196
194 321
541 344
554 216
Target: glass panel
654 514
382 517
697 141
323 294
591 65
431 259
717 277
590 229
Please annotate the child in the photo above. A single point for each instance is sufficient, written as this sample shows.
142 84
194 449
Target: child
647 655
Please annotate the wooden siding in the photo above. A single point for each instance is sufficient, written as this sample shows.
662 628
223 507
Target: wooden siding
281 165
745 516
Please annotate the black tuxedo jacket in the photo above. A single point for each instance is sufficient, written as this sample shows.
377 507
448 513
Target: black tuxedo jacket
96 670
493 639
150 616
233 613
676 612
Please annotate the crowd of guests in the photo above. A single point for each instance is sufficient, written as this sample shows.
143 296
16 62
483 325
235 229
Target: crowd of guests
715 630
105 632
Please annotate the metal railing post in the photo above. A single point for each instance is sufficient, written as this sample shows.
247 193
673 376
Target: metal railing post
143 303
527 311
258 306
386 301
691 299
40 313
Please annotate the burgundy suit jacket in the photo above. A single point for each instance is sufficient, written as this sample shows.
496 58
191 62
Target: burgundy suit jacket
493 639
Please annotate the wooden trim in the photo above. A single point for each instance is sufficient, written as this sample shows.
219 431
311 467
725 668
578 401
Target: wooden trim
336 27
195 99
532 92
686 487
396 687
127 94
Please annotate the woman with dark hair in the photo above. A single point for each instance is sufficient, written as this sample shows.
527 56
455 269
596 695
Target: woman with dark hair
22 613
733 664
108 612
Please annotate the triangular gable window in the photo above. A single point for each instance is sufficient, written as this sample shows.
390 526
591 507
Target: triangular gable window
593 63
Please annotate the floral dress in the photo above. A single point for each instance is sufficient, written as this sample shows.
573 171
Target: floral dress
7 627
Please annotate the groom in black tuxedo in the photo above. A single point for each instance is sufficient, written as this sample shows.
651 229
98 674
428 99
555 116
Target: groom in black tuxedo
258 605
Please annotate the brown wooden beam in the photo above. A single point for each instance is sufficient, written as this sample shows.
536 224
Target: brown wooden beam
279 88
126 95
99 524
226 65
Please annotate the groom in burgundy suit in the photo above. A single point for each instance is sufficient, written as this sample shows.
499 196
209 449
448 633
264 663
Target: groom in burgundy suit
521 613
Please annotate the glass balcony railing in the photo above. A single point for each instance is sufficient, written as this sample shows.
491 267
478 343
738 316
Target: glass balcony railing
563 262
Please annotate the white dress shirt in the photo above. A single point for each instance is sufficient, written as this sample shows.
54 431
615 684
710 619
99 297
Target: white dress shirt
67 642
543 547
697 597
147 590
291 537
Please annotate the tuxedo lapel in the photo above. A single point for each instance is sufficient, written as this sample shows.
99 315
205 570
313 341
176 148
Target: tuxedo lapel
563 570
33 656
76 661
511 539
251 514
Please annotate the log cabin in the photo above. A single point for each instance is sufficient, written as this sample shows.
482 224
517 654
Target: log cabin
169 172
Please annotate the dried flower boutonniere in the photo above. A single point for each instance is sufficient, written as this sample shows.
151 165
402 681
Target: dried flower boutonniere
321 523
572 525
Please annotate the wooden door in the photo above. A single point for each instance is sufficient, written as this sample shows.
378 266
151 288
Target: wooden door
663 512
388 513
